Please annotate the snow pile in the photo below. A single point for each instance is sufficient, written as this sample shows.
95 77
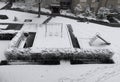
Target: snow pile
3 26
8 31
46 10
4 45
24 6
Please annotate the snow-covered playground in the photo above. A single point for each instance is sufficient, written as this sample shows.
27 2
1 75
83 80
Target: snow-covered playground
53 36
56 35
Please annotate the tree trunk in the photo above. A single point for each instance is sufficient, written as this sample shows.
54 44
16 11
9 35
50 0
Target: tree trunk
99 5
89 2
106 1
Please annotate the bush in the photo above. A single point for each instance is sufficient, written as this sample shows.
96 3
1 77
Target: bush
59 54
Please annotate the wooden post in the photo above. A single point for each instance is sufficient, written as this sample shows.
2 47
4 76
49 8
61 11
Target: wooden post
39 9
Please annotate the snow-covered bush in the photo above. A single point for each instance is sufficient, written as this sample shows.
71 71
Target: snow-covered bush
16 54
103 12
58 54
87 11
78 9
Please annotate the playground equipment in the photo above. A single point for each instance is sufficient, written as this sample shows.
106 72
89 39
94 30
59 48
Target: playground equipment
54 29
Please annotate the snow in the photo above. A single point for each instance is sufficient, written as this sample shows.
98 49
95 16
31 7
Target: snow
65 12
30 27
88 30
22 43
29 7
4 46
64 72
115 78
85 31
47 38
21 16
58 73
3 26
46 10
116 20
2 4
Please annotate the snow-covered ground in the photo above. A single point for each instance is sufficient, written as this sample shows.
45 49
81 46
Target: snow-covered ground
3 45
2 4
88 30
67 72
52 36
30 27
21 16
60 73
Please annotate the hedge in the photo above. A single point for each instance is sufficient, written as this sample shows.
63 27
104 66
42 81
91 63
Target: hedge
57 54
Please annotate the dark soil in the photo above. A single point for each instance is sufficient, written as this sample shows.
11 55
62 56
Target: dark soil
73 38
12 26
7 36
30 40
91 61
3 17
